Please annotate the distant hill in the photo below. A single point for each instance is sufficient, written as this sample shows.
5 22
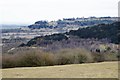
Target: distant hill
101 31
11 26
76 22
109 31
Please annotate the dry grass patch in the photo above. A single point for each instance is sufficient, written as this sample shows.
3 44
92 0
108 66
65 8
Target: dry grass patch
88 70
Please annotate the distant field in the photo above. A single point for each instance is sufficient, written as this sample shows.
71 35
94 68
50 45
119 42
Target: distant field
90 70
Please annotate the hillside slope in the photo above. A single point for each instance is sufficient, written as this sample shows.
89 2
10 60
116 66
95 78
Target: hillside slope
101 31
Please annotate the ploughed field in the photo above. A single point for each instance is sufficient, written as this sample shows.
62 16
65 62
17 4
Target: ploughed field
87 70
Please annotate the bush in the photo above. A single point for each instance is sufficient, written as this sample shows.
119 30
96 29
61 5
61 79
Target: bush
72 56
111 56
35 58
48 59
29 60
98 57
84 56
107 56
66 58
8 61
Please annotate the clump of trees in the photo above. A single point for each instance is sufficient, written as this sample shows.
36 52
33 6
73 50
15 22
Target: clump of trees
48 39
33 58
101 31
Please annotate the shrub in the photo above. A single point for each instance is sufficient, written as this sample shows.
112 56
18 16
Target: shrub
70 56
84 56
47 59
65 58
8 61
98 57
111 56
35 58
28 60
106 56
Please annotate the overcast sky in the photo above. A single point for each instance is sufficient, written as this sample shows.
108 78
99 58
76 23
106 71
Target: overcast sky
29 11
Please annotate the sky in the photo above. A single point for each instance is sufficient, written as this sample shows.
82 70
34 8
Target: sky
30 11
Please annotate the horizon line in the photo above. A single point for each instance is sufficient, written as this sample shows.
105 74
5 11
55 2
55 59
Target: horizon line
21 23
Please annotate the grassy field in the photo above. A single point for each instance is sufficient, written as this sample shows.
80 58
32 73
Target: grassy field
88 70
